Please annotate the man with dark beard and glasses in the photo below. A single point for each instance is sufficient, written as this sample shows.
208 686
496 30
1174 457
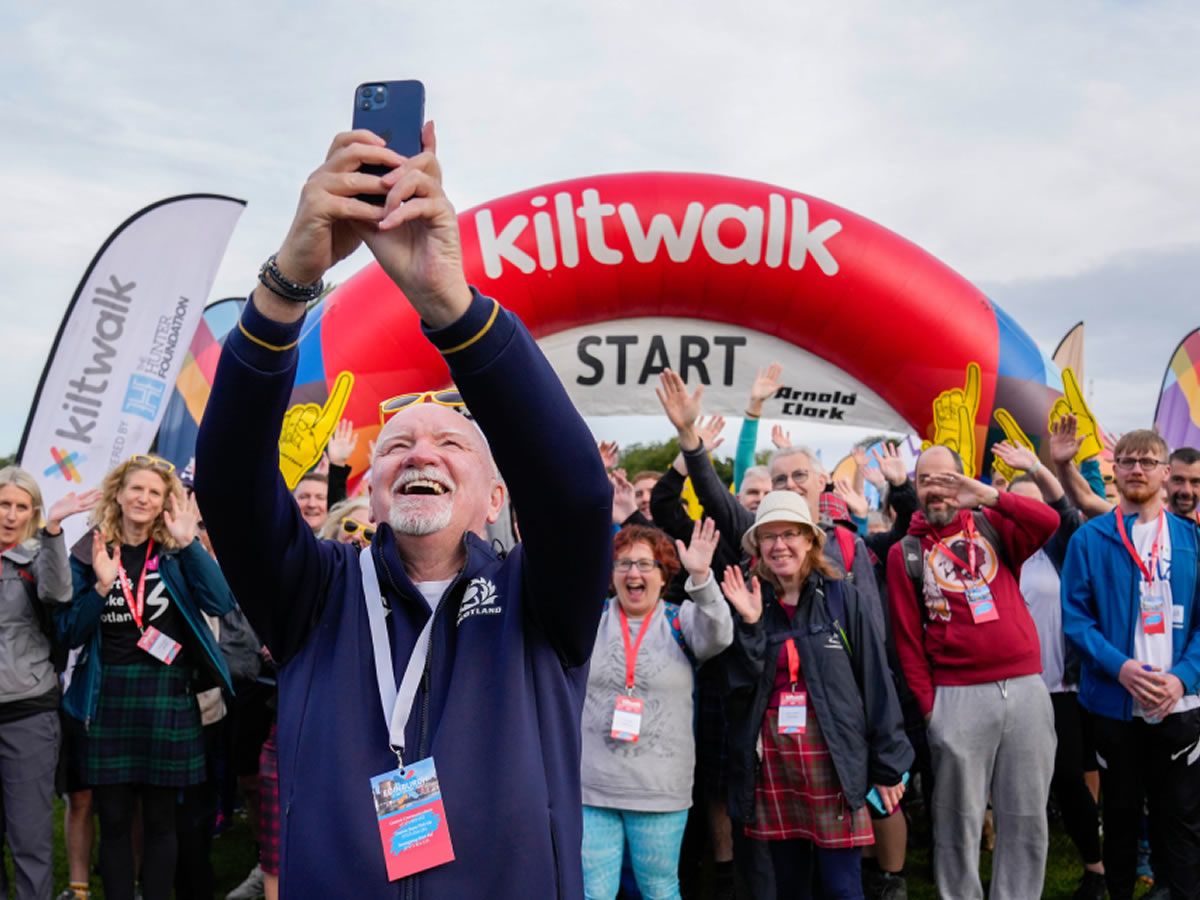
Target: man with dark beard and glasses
969 650
1130 604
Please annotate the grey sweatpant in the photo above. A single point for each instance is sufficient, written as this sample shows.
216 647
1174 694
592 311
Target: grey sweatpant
992 739
28 758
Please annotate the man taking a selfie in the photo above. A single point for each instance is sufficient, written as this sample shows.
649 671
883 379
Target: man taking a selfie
428 660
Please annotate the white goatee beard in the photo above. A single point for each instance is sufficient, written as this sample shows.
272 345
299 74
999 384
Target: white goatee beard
418 524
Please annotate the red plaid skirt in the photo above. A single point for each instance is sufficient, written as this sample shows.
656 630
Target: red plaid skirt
798 794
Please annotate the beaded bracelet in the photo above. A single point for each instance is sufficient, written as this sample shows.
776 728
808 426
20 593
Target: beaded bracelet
275 281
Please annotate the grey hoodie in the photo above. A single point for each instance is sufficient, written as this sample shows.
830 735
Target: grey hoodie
653 774
25 667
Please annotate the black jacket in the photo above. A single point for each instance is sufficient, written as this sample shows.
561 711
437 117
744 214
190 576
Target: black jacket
850 693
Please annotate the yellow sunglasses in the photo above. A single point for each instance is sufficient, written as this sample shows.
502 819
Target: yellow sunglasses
154 462
452 399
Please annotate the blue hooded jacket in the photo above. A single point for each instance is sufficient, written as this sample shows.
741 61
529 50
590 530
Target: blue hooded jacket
499 707
1100 590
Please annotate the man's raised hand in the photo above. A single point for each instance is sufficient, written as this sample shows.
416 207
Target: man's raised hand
682 408
417 241
342 444
766 383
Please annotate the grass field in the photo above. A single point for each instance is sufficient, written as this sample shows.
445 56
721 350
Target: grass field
233 857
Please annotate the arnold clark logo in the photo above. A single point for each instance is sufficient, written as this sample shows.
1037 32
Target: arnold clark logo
479 600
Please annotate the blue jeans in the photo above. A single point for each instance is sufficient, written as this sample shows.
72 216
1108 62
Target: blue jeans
654 842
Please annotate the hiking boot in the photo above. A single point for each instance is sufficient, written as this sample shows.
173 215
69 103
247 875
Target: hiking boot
1091 887
892 887
250 889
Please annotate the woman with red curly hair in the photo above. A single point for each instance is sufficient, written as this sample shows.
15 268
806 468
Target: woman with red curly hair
638 748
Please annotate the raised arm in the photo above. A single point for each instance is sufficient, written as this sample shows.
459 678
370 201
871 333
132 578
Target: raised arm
706 622
1064 445
766 383
271 558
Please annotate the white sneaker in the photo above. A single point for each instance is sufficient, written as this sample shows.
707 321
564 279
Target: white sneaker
250 889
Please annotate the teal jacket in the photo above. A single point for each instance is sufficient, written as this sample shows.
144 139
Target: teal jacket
194 582
1100 593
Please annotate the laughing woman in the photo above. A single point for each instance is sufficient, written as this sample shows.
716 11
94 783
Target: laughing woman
34 578
639 752
145 648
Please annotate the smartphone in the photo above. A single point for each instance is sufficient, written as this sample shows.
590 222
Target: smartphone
394 110
876 801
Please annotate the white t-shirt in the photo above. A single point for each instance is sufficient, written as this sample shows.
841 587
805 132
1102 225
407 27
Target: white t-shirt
1157 649
1040 588
432 590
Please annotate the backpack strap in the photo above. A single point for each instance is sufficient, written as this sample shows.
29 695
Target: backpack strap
845 541
914 563
671 611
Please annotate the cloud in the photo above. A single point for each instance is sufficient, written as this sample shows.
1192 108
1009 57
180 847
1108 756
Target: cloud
1022 144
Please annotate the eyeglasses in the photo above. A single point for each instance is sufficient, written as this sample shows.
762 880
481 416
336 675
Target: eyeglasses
799 476
353 526
1145 463
452 399
643 565
154 462
767 540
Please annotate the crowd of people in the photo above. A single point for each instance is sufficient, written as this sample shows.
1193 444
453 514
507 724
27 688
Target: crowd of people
584 673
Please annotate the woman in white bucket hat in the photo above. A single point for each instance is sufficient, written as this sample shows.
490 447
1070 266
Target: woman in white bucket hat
814 721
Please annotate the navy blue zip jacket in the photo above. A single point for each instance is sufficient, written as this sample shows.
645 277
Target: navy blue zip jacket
194 583
499 707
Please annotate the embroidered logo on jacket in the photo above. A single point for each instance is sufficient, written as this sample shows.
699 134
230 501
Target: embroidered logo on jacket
479 600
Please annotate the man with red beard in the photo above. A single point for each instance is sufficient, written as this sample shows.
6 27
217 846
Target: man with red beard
1129 592
969 651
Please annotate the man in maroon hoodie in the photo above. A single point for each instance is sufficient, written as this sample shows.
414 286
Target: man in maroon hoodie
969 650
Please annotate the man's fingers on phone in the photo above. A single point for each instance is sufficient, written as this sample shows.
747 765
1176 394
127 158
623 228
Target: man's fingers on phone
411 184
357 136
409 211
423 162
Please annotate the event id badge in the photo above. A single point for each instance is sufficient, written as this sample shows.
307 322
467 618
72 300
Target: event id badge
793 712
983 605
412 819
158 645
1154 608
627 718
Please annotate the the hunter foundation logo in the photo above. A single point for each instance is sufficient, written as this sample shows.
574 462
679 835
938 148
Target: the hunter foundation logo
829 405
65 465
479 600
85 400
679 239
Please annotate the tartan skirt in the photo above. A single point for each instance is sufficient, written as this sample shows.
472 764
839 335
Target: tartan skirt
146 729
798 795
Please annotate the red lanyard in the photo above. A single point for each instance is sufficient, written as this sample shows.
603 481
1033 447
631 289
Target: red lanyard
793 662
631 645
1147 571
136 609
973 568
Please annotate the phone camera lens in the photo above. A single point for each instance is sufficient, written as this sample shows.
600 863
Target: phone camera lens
366 104
366 92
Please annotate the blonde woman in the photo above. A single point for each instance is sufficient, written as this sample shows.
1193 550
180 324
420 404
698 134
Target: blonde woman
145 649
34 578
349 522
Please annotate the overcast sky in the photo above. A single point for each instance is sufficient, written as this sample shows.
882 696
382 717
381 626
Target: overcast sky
1045 151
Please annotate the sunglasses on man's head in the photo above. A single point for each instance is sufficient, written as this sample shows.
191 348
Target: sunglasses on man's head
451 399
154 462
353 526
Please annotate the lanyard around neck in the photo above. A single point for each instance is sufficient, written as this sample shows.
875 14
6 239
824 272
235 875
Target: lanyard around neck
1148 572
396 701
